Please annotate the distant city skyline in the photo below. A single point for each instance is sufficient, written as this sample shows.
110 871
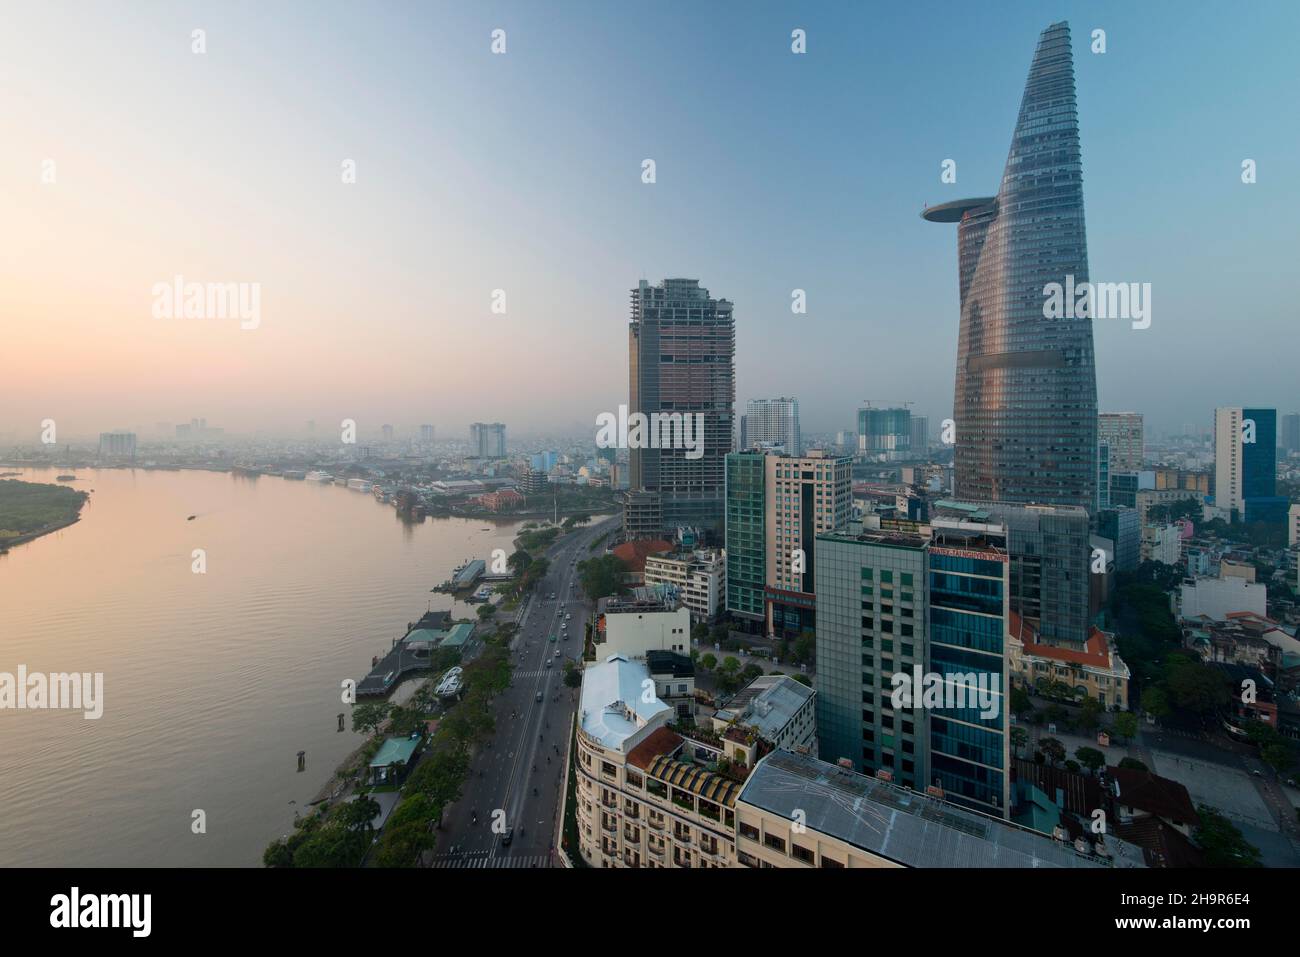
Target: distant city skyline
795 172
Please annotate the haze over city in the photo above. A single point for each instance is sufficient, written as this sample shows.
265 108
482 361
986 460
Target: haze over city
519 173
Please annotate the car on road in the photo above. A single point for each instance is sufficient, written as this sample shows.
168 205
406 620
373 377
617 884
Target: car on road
507 837
552 637
539 696
565 636
568 615
548 662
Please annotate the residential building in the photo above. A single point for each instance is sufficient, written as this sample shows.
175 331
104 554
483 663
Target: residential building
804 496
746 535
682 350
1025 402
772 423
487 440
885 434
117 445
426 434
1122 432
1162 543
1290 434
1216 598
920 436
698 578
631 627
777 709
673 674
1293 526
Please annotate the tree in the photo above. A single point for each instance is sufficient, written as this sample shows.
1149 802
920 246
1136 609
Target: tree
1020 701
1194 686
358 814
602 576
1126 725
730 665
805 648
751 672
1019 738
709 661
366 718
1090 758
1089 713
1155 702
1052 749
519 561
572 675
803 679
700 632
1222 842
485 611
1277 755
1132 764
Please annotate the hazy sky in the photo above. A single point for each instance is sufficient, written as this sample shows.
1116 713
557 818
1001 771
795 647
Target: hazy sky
522 172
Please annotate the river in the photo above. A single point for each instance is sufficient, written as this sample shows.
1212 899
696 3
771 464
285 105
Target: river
213 682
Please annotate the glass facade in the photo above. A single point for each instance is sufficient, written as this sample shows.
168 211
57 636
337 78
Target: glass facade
969 746
1025 402
746 521
871 600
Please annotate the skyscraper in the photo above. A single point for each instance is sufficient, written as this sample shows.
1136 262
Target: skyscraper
487 440
885 433
681 351
1245 464
773 422
1291 432
893 605
1025 402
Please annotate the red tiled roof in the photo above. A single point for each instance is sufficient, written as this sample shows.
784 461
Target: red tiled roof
660 741
1095 651
634 553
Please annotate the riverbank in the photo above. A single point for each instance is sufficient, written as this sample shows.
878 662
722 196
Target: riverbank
29 510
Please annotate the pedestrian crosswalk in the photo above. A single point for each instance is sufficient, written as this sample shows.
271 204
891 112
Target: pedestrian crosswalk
481 859
535 674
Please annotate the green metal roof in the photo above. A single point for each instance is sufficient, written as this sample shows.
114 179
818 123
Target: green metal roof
457 635
395 751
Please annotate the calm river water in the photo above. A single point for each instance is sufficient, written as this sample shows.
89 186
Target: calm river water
212 682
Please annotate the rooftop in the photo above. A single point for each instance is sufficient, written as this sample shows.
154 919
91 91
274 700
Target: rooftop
903 826
394 751
768 703
952 211
612 708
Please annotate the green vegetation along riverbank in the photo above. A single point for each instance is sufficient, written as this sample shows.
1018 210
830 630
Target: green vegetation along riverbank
31 509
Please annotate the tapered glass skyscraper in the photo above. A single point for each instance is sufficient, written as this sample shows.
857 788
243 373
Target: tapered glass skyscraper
1025 403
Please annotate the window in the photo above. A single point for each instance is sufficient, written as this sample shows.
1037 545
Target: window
802 853
749 831
774 842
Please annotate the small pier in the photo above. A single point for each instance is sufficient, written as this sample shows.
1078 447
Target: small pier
408 655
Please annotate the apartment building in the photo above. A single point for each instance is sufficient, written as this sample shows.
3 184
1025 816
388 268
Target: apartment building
633 626
698 579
